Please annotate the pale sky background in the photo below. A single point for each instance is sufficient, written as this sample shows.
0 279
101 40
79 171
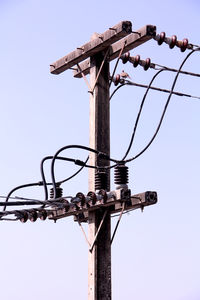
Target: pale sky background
155 255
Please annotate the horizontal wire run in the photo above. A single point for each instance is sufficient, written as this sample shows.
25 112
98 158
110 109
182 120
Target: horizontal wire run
160 89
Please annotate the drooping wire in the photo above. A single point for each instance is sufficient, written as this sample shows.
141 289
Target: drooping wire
139 113
165 108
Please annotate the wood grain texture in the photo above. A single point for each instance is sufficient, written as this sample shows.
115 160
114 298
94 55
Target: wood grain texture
94 46
99 265
131 41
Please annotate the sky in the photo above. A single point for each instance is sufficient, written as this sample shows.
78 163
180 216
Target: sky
155 254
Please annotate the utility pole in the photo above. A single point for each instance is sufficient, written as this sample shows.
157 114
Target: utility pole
93 58
99 265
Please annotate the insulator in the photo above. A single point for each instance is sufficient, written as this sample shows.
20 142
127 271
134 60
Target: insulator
125 57
66 205
173 41
23 216
116 79
81 196
32 215
42 214
76 203
147 64
121 174
104 195
101 180
161 38
136 61
59 192
93 197
184 45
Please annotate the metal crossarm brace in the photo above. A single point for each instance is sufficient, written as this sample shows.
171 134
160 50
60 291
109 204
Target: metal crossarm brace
96 45
131 41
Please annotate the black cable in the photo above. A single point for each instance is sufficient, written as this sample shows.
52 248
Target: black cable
165 108
117 90
43 175
139 113
131 83
20 187
61 181
100 154
43 182
76 173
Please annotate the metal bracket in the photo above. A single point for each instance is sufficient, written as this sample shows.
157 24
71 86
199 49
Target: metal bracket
98 230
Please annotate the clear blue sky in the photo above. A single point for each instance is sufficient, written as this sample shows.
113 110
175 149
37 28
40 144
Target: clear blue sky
155 255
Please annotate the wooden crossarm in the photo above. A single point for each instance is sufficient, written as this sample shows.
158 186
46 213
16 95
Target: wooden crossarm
131 41
98 44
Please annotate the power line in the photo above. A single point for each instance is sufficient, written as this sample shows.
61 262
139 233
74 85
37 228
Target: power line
165 108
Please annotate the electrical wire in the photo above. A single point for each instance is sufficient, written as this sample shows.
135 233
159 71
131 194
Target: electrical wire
99 153
153 65
165 108
139 113
130 83
73 175
43 182
61 181
123 84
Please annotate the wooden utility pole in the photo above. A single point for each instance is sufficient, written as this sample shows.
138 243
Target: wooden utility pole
99 266
93 58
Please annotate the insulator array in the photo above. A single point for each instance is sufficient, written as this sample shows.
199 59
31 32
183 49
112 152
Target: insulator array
59 192
32 215
135 60
172 42
101 180
121 174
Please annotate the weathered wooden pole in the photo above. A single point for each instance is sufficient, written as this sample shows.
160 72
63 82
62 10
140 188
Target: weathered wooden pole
99 266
